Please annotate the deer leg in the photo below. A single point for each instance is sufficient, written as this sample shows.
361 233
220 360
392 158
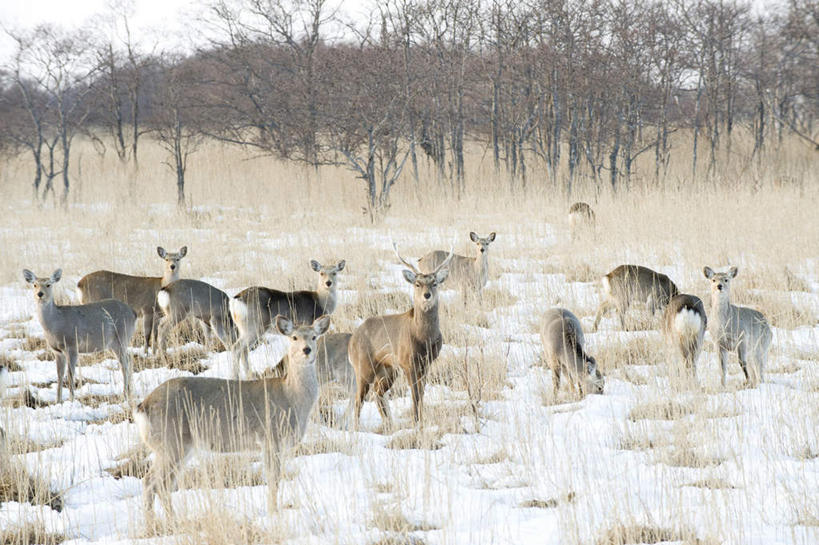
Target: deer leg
723 363
240 355
417 391
361 394
222 331
148 327
125 364
161 481
555 365
604 307
742 355
72 367
166 324
273 469
59 358
382 386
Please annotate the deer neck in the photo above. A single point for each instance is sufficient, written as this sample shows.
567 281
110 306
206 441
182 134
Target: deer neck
482 267
425 323
327 297
301 382
47 310
168 277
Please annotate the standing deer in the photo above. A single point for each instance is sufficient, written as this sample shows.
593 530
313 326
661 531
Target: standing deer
410 342
73 329
187 413
737 328
333 366
629 284
684 323
581 218
254 309
562 338
468 272
139 292
193 298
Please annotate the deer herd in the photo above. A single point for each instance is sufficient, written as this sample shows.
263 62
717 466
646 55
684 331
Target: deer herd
271 413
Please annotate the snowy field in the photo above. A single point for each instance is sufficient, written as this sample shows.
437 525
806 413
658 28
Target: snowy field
500 460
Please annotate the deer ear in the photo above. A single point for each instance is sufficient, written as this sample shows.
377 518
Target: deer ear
591 365
315 265
56 275
183 251
491 236
409 276
29 276
284 325
161 252
708 272
441 275
733 272
473 236
341 264
322 324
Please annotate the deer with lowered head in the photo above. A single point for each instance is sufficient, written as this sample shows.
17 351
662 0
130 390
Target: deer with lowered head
563 346
139 292
189 413
408 342
735 328
73 329
468 272
629 284
254 309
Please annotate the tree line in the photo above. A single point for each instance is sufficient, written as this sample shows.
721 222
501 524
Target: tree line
584 87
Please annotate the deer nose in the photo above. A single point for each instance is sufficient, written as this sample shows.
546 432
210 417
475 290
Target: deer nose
719 287
307 350
173 267
40 294
483 250
427 295
329 283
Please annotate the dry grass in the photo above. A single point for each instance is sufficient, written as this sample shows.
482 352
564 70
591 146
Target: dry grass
16 484
9 363
29 534
634 351
550 503
660 410
645 534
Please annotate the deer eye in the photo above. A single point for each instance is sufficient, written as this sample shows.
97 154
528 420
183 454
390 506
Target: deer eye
295 338
314 337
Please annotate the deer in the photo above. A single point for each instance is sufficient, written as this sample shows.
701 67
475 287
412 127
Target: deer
188 298
563 346
221 415
468 272
628 284
139 292
409 342
735 328
684 324
333 367
581 217
254 309
73 329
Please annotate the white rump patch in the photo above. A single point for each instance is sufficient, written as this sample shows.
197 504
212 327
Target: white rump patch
164 300
141 420
688 322
238 311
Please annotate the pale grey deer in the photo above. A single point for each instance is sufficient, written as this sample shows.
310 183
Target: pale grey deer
563 348
739 329
139 292
74 329
471 273
269 414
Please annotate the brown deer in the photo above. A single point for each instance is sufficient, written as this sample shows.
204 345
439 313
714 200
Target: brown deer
409 342
139 292
254 309
628 284
684 324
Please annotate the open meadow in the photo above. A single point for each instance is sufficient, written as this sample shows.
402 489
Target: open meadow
499 458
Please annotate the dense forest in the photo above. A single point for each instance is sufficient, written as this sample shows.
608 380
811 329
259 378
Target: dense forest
584 87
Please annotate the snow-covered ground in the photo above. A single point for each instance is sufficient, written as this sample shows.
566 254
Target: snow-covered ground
501 461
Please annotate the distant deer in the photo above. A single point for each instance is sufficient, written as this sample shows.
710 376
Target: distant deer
254 309
737 328
73 329
581 218
563 347
139 292
684 324
409 342
187 413
629 284
468 272
187 298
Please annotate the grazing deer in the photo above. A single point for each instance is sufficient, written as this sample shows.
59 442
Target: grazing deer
581 217
410 342
187 413
73 329
187 298
562 338
468 272
628 284
737 328
139 292
254 309
684 323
